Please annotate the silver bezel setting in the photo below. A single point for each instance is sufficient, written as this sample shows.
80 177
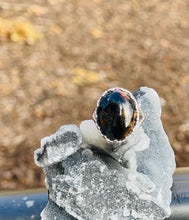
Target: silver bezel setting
140 117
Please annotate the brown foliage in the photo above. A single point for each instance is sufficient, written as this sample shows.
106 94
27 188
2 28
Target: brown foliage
87 47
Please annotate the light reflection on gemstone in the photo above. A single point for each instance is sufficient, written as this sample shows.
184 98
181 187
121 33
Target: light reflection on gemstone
117 115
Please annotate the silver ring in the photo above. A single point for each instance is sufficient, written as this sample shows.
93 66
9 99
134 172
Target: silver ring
117 115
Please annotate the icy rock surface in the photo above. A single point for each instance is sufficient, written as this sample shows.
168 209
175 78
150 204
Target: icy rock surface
59 146
158 160
125 182
52 211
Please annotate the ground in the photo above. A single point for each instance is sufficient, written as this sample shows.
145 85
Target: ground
58 56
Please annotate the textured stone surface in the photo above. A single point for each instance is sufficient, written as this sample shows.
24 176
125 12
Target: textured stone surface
158 160
131 181
58 146
53 211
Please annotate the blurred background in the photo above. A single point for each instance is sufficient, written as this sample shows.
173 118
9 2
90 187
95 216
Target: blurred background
58 56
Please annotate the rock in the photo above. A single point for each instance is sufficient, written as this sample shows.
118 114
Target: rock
95 186
92 136
53 211
97 180
59 146
158 160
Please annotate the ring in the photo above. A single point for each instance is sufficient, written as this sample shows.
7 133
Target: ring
117 115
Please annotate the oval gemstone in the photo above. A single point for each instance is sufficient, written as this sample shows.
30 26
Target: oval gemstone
116 115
